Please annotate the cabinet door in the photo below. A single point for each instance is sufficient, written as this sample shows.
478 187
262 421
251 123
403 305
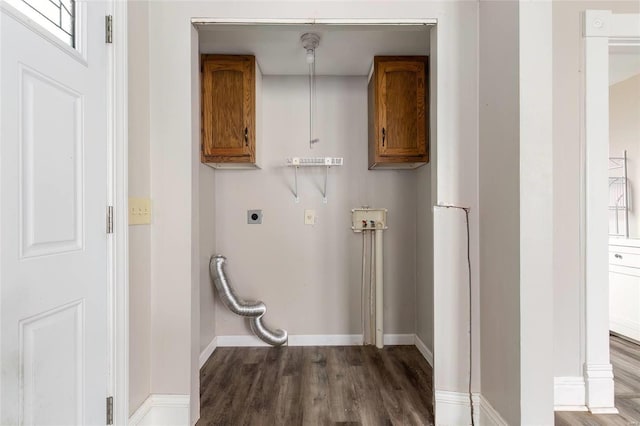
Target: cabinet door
228 107
402 107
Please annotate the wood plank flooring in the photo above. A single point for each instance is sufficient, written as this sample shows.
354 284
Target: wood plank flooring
625 357
351 385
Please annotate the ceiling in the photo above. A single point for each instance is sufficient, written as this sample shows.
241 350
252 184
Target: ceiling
343 50
624 62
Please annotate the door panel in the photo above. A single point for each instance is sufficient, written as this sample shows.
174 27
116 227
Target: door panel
53 245
51 189
228 105
402 109
228 115
53 396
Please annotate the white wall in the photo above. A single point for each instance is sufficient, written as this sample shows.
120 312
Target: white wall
172 146
500 207
424 257
516 210
624 134
139 186
207 208
310 276
197 208
567 130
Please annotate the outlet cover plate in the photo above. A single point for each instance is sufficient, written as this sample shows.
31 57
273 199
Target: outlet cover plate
254 217
309 217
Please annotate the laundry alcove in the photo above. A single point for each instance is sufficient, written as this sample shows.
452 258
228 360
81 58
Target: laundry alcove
310 275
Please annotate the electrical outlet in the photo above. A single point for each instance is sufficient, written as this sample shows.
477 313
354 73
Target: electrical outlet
254 217
309 217
139 211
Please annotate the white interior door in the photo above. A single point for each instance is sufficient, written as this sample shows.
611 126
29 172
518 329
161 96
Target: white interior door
53 198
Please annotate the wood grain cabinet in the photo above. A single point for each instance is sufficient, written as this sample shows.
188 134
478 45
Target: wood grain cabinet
230 90
398 112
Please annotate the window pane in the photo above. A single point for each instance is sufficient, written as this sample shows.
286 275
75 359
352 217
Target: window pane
56 16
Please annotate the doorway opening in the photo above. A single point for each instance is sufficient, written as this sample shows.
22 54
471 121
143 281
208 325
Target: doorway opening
303 258
624 222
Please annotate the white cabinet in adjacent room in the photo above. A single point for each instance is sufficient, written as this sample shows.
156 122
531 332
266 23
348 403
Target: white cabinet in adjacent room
624 287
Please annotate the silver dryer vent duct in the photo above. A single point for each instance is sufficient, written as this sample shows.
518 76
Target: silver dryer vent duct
253 310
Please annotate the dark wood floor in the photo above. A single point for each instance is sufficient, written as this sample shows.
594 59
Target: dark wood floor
354 385
625 357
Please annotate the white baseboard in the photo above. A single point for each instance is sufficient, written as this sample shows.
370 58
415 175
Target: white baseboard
206 353
313 340
488 414
325 340
162 410
599 388
569 394
454 408
424 350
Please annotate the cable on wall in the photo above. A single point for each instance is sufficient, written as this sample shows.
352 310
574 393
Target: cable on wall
466 214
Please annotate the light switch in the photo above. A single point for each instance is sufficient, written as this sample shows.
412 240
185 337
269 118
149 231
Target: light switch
309 217
139 211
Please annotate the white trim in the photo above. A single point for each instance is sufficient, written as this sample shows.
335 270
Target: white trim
311 21
325 340
313 340
118 140
600 388
619 29
453 408
601 29
162 410
142 411
424 350
79 54
208 351
294 340
489 415
569 394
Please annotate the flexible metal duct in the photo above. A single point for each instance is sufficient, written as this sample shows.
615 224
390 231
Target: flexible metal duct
253 310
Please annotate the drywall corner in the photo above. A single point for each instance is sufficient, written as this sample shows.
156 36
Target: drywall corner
499 179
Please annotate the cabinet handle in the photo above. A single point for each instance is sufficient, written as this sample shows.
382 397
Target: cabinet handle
384 134
246 136
617 256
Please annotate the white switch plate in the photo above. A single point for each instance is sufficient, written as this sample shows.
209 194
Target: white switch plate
309 217
139 211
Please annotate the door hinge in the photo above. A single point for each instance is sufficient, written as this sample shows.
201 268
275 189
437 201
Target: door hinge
108 29
109 410
109 219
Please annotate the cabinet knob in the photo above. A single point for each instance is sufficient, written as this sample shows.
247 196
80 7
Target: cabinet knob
246 136
384 134
617 256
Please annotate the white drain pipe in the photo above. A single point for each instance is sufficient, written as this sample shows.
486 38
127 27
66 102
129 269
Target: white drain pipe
379 288
373 221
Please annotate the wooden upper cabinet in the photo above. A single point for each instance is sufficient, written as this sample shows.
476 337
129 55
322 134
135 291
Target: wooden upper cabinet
229 92
398 112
